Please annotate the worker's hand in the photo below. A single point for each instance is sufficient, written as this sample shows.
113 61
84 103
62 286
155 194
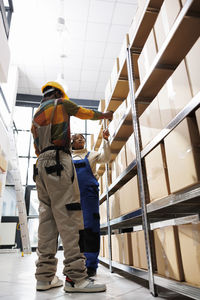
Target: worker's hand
106 134
108 115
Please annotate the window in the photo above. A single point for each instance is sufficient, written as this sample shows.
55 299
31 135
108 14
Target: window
33 231
23 117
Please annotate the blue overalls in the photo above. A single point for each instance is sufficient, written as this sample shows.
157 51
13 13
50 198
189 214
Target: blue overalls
89 192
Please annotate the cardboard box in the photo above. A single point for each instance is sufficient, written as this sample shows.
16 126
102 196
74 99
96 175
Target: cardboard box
130 149
5 53
167 251
114 205
114 170
121 161
165 20
197 113
145 127
174 95
119 112
157 175
147 55
116 240
101 252
139 250
129 197
189 237
193 65
121 248
150 122
127 249
183 155
103 213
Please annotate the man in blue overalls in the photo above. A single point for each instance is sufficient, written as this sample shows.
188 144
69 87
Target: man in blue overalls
85 164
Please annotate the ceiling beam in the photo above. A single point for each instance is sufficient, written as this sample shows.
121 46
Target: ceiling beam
34 101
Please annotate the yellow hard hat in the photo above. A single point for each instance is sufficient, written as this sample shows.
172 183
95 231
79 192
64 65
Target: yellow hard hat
57 86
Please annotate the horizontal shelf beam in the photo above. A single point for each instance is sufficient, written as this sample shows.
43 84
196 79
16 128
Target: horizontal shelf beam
130 219
128 269
174 199
178 287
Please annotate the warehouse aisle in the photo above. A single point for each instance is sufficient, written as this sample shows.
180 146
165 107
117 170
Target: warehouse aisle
17 282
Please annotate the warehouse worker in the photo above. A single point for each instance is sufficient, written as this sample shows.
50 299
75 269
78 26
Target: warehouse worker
58 192
85 164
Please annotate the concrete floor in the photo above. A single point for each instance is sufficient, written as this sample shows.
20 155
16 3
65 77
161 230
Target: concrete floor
17 282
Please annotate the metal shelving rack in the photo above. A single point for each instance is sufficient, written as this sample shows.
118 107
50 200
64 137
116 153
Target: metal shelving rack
184 204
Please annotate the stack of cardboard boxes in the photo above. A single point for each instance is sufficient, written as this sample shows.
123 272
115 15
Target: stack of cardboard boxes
172 166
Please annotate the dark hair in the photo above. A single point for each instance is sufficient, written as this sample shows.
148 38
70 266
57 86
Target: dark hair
52 92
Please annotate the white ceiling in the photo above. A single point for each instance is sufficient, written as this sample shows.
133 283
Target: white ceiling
97 29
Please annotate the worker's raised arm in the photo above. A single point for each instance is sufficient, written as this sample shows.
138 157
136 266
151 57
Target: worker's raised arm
85 113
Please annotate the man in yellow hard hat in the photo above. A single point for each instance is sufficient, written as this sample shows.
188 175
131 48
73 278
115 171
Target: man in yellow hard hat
58 192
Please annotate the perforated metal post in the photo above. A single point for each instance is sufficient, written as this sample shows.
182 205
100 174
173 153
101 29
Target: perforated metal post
108 211
143 188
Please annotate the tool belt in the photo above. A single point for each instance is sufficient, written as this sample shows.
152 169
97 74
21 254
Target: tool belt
55 168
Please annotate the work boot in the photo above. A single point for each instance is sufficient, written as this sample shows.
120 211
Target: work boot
91 272
46 285
84 286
